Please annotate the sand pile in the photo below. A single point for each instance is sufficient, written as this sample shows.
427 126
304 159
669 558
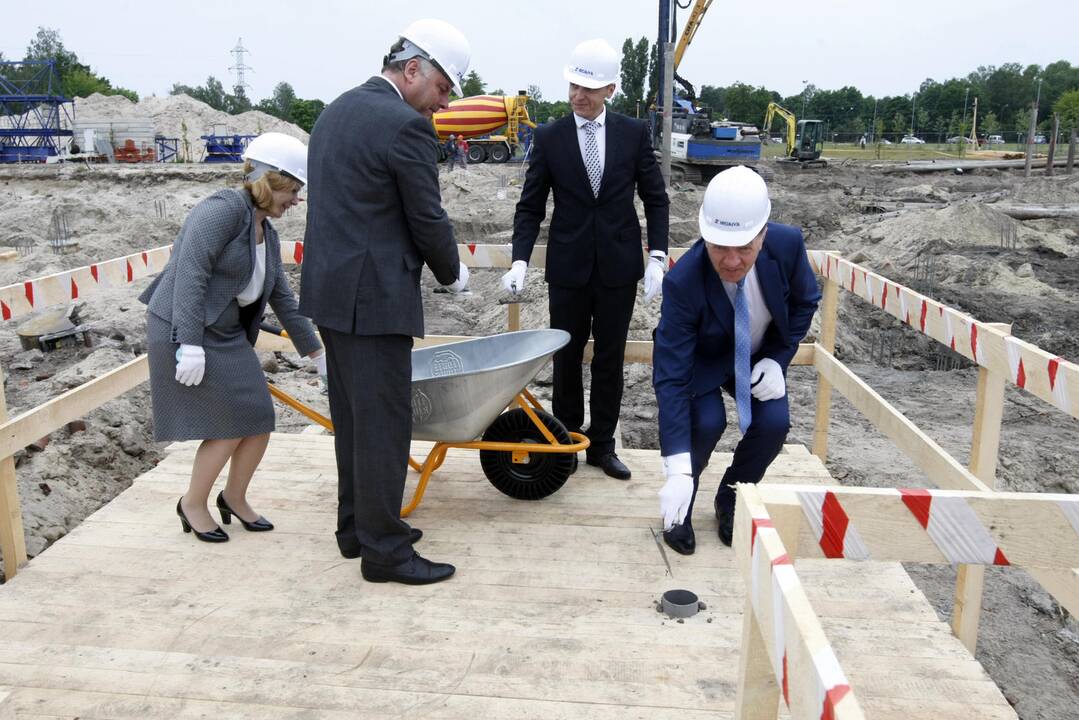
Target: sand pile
180 116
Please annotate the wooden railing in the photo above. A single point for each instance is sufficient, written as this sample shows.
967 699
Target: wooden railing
1001 358
783 643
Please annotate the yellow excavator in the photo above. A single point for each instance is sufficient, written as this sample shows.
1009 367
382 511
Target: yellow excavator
696 15
804 139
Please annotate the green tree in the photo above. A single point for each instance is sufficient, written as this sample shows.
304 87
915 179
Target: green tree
1068 108
212 93
280 103
744 103
473 85
712 97
634 70
305 112
237 102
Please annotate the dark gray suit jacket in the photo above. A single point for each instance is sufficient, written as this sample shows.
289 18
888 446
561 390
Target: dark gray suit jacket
211 263
374 215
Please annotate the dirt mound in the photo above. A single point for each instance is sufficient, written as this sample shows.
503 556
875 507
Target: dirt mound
181 116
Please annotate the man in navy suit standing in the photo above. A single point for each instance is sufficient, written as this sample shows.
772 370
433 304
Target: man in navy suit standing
734 309
593 161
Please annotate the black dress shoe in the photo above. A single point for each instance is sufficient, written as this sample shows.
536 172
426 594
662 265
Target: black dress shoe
217 535
414 535
416 570
681 538
611 465
725 518
260 525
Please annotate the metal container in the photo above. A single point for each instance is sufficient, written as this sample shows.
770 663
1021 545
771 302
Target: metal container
460 388
680 603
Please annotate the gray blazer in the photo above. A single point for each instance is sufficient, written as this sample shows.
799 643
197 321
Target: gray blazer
212 260
374 215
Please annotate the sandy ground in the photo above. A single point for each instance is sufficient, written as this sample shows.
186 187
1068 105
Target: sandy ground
944 239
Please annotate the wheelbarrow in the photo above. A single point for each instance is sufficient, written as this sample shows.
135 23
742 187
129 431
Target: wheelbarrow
478 388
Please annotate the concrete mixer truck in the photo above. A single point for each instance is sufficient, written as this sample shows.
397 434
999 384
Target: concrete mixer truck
478 116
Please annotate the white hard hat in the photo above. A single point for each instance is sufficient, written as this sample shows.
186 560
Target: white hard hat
735 207
277 151
441 44
593 64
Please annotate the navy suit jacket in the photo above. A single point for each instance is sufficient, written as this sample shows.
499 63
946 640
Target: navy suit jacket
693 352
588 231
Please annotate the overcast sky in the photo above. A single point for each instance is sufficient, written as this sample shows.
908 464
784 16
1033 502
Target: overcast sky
323 48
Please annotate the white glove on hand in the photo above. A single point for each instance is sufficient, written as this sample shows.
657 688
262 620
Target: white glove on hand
767 381
674 499
459 285
653 276
190 365
320 365
514 280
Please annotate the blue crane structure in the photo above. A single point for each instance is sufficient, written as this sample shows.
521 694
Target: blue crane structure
32 111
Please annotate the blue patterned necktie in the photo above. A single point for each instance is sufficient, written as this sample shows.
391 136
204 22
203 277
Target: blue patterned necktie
591 156
741 357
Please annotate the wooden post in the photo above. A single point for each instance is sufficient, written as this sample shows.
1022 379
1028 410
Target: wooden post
757 697
829 312
1030 139
1071 153
984 450
12 541
513 316
1052 145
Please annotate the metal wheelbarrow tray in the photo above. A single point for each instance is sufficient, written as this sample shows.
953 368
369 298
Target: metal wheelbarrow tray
459 392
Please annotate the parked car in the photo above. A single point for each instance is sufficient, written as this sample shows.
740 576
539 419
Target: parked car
996 140
885 141
1040 140
956 139
911 140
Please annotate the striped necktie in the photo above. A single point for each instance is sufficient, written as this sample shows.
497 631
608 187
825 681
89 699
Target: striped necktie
741 357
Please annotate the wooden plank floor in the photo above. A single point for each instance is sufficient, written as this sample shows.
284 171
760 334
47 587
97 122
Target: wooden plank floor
550 615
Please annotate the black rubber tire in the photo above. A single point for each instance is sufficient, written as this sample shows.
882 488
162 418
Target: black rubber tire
543 474
477 154
498 153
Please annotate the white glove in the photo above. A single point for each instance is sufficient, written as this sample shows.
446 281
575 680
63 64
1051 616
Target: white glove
674 499
459 285
766 380
514 280
190 365
320 365
653 275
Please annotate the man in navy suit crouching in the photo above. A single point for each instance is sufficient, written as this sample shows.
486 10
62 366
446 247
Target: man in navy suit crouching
734 309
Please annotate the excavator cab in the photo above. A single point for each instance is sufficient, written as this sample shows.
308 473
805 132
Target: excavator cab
810 140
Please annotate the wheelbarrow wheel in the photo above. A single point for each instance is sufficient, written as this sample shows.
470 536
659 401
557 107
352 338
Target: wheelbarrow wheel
543 474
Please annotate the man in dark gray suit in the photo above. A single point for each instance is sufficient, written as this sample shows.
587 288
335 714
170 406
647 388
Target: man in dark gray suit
374 218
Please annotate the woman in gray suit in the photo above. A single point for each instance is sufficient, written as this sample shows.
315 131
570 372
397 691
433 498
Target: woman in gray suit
202 320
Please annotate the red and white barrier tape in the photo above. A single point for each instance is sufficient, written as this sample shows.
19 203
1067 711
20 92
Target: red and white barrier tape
831 526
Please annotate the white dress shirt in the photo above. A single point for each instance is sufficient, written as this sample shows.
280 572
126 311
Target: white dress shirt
394 86
253 291
759 317
601 137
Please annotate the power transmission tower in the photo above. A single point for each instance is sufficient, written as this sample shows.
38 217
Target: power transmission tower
240 68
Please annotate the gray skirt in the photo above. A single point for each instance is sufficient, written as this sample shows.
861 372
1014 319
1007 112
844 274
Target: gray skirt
232 400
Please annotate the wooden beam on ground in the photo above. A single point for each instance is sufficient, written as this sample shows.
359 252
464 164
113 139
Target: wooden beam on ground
12 539
35 423
942 469
7 706
799 655
932 526
1042 374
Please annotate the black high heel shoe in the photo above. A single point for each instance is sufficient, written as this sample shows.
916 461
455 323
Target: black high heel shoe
217 535
260 525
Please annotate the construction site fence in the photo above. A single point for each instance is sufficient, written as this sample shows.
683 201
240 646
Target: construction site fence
1001 359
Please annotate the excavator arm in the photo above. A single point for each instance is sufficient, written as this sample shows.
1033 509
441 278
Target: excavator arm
788 117
696 15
